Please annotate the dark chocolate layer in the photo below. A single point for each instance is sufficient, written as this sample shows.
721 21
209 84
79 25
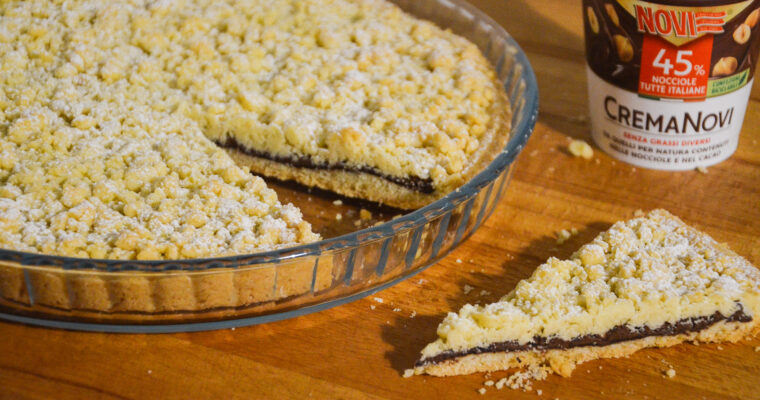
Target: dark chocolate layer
620 333
422 185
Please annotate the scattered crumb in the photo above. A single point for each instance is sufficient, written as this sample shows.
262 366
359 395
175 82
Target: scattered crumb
309 199
539 392
467 288
338 217
550 169
232 329
378 299
371 306
338 202
482 390
459 260
357 222
757 349
579 148
524 379
488 383
396 309
670 373
414 314
600 367
638 213
408 372
533 153
563 235
150 371
484 292
365 214
720 347
702 170
500 383
597 161
421 281
633 169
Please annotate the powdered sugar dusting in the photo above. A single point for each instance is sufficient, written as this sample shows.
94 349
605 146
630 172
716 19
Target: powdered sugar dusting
644 272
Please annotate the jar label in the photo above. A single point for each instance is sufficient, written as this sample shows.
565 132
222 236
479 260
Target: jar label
679 63
677 135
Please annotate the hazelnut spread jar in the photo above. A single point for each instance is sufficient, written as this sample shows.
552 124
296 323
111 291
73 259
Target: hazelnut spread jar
669 80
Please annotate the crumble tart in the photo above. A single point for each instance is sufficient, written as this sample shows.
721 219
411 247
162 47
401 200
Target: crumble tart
649 282
113 114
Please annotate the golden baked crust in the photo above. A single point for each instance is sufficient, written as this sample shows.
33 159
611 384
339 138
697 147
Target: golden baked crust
643 274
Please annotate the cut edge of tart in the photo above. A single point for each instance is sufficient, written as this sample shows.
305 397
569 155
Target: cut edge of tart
651 281
370 183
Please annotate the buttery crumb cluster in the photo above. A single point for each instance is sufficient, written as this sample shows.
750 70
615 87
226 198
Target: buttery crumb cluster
644 272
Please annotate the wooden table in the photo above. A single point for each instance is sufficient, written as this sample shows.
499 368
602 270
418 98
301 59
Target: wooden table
354 351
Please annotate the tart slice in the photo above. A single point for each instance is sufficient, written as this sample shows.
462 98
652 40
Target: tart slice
648 282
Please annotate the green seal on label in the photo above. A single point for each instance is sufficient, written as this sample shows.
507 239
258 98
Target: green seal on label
718 87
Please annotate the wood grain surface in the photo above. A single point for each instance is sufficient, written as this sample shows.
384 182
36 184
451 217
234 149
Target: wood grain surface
361 349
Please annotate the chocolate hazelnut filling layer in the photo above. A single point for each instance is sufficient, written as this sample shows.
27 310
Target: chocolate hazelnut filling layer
415 183
620 333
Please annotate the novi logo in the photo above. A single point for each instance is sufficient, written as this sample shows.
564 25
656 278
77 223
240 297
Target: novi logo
690 24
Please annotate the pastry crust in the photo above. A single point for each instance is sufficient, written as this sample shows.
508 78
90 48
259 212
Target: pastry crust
130 295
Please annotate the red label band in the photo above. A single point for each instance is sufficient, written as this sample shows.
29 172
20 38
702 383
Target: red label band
675 72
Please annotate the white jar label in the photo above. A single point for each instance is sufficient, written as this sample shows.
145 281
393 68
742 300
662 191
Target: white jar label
665 134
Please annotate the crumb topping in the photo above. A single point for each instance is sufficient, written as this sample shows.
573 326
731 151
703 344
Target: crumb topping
643 272
106 108
100 160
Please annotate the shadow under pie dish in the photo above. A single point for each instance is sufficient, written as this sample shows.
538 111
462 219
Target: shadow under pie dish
282 266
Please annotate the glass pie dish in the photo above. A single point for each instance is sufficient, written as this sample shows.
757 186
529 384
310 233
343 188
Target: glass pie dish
224 292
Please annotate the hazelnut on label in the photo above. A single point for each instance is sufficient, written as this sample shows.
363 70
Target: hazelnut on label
593 22
725 66
624 48
752 18
612 13
742 34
